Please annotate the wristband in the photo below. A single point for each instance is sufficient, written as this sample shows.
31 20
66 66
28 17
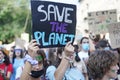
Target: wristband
67 58
30 60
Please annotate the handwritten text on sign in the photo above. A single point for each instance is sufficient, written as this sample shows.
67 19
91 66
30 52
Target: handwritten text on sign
114 31
53 23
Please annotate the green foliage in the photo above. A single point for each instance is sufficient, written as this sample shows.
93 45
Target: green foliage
13 14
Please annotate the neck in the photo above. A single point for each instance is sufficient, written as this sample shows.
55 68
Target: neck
18 58
84 51
105 78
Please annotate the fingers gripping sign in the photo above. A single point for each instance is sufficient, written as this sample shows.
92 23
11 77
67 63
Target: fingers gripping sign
69 49
33 47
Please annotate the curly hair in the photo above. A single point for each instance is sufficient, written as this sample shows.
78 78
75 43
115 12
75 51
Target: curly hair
99 63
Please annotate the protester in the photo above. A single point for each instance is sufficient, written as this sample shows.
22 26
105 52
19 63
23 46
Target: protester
34 63
64 69
6 68
102 65
103 44
17 60
85 47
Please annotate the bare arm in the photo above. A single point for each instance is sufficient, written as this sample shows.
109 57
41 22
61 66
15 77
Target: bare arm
59 73
64 64
32 49
27 69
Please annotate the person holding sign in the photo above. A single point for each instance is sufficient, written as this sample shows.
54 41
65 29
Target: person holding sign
34 63
102 65
65 69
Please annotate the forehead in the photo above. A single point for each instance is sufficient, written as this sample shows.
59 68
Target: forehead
85 40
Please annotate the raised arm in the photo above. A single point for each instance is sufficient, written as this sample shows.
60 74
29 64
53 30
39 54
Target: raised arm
29 60
64 64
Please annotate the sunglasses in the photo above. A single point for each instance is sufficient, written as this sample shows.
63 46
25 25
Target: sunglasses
18 50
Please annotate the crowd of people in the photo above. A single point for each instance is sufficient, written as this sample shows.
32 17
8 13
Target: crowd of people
72 62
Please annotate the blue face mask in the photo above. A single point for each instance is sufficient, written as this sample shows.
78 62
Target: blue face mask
106 48
85 46
1 61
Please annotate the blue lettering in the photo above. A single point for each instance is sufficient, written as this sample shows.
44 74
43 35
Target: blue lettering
51 38
40 35
37 36
43 40
58 38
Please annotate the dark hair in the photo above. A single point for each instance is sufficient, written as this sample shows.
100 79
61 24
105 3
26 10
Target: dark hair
44 60
42 53
7 61
51 56
102 44
77 59
100 62
83 39
95 38
59 52
14 56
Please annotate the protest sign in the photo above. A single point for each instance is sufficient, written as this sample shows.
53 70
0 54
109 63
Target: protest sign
114 34
53 24
99 20
19 42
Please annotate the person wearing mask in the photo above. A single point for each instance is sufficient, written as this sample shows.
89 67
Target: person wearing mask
85 47
64 68
34 68
6 68
102 65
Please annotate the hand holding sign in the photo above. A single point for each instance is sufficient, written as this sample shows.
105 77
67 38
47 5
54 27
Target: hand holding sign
33 47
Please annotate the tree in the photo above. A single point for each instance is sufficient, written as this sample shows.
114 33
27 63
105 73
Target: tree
13 14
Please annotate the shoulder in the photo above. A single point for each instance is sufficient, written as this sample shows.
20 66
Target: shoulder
51 68
50 72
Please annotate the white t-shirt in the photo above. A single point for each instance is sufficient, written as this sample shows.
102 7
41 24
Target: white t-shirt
19 72
83 55
81 66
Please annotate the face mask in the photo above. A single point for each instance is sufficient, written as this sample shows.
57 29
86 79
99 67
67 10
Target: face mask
37 74
106 48
85 46
1 61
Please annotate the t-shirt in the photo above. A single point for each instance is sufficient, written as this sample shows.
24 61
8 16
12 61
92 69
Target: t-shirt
6 69
83 55
17 63
81 66
19 72
70 74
